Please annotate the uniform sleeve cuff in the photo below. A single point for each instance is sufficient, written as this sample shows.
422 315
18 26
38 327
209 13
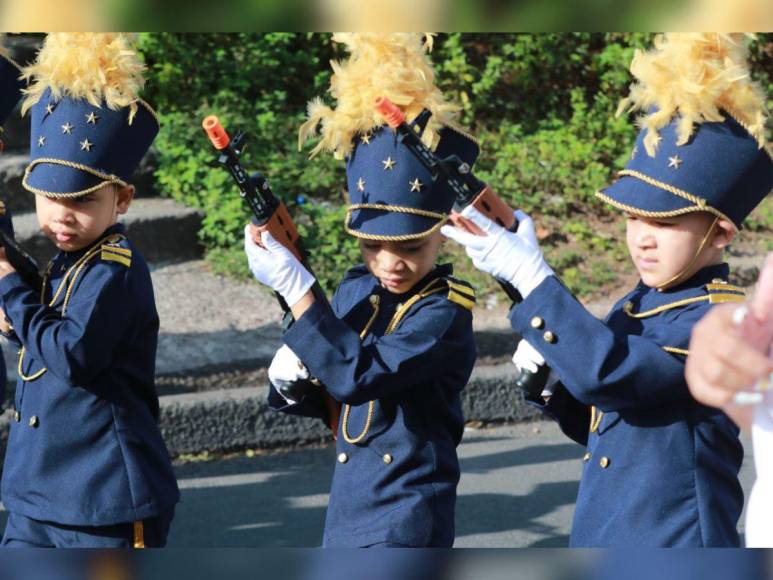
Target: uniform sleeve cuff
10 282
522 316
299 330
9 290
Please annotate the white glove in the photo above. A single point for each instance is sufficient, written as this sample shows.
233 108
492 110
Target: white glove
285 369
277 267
513 257
527 357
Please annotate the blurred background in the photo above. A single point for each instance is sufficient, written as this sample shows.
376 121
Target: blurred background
543 106
450 15
394 565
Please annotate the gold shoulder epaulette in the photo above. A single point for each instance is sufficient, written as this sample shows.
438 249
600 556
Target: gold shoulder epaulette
720 291
461 293
113 253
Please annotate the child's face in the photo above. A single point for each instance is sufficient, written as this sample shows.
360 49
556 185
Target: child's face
400 265
73 224
664 247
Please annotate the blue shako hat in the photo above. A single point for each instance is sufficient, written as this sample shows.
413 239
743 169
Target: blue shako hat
392 195
76 147
89 127
702 146
721 170
10 87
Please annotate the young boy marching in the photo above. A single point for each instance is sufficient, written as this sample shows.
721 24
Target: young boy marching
10 93
660 468
86 465
396 347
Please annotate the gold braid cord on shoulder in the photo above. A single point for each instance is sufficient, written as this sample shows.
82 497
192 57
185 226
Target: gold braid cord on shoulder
400 313
75 270
628 307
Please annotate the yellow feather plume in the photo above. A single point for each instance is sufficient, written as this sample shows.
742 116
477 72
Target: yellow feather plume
101 68
393 65
695 76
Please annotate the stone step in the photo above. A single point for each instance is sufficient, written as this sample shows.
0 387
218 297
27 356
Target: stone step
162 229
236 419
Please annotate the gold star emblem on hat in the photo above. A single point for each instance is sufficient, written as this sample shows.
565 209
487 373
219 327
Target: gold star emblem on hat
41 141
361 184
67 129
674 162
365 138
86 145
91 118
389 163
50 108
416 185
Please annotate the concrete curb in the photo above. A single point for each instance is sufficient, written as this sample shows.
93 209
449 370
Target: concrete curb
236 419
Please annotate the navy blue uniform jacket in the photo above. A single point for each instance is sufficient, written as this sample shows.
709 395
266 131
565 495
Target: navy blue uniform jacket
397 482
660 468
84 446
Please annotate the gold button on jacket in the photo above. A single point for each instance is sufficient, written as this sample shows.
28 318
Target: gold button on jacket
604 462
343 458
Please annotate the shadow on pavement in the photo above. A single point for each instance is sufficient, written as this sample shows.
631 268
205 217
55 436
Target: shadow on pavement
535 454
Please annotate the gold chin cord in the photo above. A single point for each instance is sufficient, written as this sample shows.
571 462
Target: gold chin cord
681 275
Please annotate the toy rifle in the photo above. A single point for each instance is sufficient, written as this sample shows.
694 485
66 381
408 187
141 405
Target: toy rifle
469 190
270 215
22 262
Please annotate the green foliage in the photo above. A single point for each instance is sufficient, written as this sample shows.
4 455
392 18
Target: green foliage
331 250
542 105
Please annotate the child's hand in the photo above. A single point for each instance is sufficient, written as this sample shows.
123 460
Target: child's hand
5 265
286 368
274 265
513 257
5 324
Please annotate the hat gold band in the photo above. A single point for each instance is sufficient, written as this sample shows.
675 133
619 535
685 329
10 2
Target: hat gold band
699 204
106 177
441 217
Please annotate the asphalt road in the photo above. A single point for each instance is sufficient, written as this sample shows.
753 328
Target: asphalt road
517 489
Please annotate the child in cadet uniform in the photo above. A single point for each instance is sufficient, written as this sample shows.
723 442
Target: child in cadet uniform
396 347
660 468
86 465
10 93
